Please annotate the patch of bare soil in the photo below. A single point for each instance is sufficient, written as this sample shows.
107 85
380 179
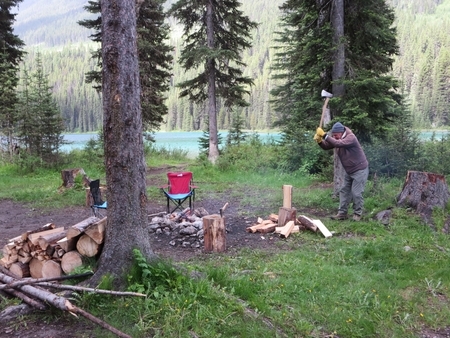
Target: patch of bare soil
17 218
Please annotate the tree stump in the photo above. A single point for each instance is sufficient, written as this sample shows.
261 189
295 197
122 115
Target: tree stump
68 177
423 191
214 233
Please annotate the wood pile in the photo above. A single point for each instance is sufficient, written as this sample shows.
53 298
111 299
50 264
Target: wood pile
287 222
291 226
51 251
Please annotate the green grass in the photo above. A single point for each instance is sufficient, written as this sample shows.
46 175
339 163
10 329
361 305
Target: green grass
368 280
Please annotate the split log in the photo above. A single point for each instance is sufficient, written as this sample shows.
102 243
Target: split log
87 247
51 269
45 240
20 269
45 227
214 233
67 244
307 223
287 229
285 215
287 196
36 268
261 224
33 238
273 218
423 191
323 229
296 229
70 261
96 231
77 229
267 228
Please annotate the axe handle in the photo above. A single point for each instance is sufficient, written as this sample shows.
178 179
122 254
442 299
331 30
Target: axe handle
324 108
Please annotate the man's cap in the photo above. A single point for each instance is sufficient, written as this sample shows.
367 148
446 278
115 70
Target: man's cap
338 127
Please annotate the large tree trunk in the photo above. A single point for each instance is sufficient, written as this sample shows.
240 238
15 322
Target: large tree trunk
213 154
124 151
338 74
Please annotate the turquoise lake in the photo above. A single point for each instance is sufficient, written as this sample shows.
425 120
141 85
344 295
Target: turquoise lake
185 140
188 140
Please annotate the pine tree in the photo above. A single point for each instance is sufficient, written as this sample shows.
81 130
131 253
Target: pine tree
8 104
236 134
154 58
11 54
42 126
306 59
215 33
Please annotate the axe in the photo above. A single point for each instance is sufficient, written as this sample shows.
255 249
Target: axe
327 96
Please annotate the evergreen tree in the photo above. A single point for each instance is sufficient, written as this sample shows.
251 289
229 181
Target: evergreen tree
306 58
154 57
11 54
42 126
236 135
10 44
8 102
215 32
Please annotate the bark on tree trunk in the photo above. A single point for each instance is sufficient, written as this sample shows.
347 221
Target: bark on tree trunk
339 175
423 191
124 150
213 153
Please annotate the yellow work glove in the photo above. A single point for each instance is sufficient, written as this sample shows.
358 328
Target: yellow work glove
320 132
318 138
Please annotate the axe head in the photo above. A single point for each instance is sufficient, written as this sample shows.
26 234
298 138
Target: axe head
326 94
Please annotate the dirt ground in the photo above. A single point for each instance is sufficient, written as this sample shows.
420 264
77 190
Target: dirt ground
16 218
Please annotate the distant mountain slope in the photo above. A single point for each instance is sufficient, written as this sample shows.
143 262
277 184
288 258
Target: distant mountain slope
50 23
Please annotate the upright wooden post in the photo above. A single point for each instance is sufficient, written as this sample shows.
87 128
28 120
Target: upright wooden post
287 196
286 213
214 233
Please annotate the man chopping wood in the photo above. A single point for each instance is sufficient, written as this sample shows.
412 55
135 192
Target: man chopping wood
355 165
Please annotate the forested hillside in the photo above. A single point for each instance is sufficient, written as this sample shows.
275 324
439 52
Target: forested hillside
51 27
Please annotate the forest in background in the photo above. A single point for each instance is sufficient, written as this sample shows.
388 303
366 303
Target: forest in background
50 27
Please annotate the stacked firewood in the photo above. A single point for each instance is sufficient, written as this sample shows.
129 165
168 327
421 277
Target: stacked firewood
51 251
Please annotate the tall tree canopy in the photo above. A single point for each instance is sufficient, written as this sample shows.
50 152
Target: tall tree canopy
307 61
154 57
215 34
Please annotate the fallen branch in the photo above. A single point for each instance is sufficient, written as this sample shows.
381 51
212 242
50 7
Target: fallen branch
61 303
28 281
30 301
82 288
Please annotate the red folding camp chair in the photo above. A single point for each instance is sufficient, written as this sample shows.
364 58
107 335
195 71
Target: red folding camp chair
179 188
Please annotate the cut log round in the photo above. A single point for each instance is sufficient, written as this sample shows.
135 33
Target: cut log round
51 269
20 269
36 268
285 215
307 223
87 247
214 233
70 261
